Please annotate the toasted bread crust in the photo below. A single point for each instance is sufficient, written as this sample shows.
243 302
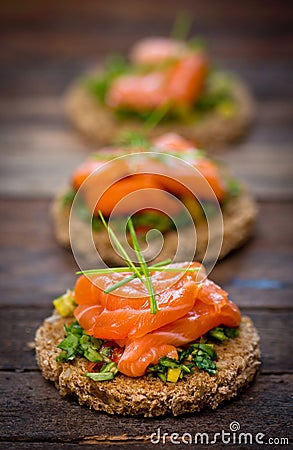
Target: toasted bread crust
238 360
100 125
238 219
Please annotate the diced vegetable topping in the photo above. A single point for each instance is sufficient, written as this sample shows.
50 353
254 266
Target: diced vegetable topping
65 304
99 85
223 333
77 342
100 376
104 356
197 355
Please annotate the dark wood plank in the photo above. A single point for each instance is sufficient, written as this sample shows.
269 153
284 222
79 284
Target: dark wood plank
25 396
59 46
39 159
41 58
42 150
34 267
119 23
266 257
41 270
46 45
266 168
74 446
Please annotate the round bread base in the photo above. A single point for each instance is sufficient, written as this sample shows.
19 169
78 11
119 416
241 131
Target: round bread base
238 220
100 125
238 360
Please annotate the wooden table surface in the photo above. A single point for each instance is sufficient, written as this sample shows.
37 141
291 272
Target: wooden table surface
44 46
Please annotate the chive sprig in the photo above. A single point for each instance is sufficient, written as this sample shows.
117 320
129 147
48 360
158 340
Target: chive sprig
143 271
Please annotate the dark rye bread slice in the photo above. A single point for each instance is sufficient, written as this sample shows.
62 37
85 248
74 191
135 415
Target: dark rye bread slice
99 124
238 360
238 219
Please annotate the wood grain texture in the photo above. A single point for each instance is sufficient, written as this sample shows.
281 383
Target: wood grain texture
42 270
44 47
40 57
36 396
40 153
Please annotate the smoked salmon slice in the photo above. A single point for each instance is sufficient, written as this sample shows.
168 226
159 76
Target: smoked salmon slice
211 309
154 50
125 312
179 85
132 193
173 74
207 178
108 184
189 306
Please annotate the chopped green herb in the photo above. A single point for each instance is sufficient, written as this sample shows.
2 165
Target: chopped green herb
162 376
74 328
199 349
100 376
133 139
99 85
70 347
77 342
200 354
205 363
223 333
131 114
109 367
68 197
152 219
233 187
165 361
218 334
216 94
231 333
106 352
89 347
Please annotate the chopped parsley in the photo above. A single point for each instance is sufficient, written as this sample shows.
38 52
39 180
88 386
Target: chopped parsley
223 333
197 355
99 353
78 343
99 84
217 93
105 354
200 354
234 187
143 221
68 197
